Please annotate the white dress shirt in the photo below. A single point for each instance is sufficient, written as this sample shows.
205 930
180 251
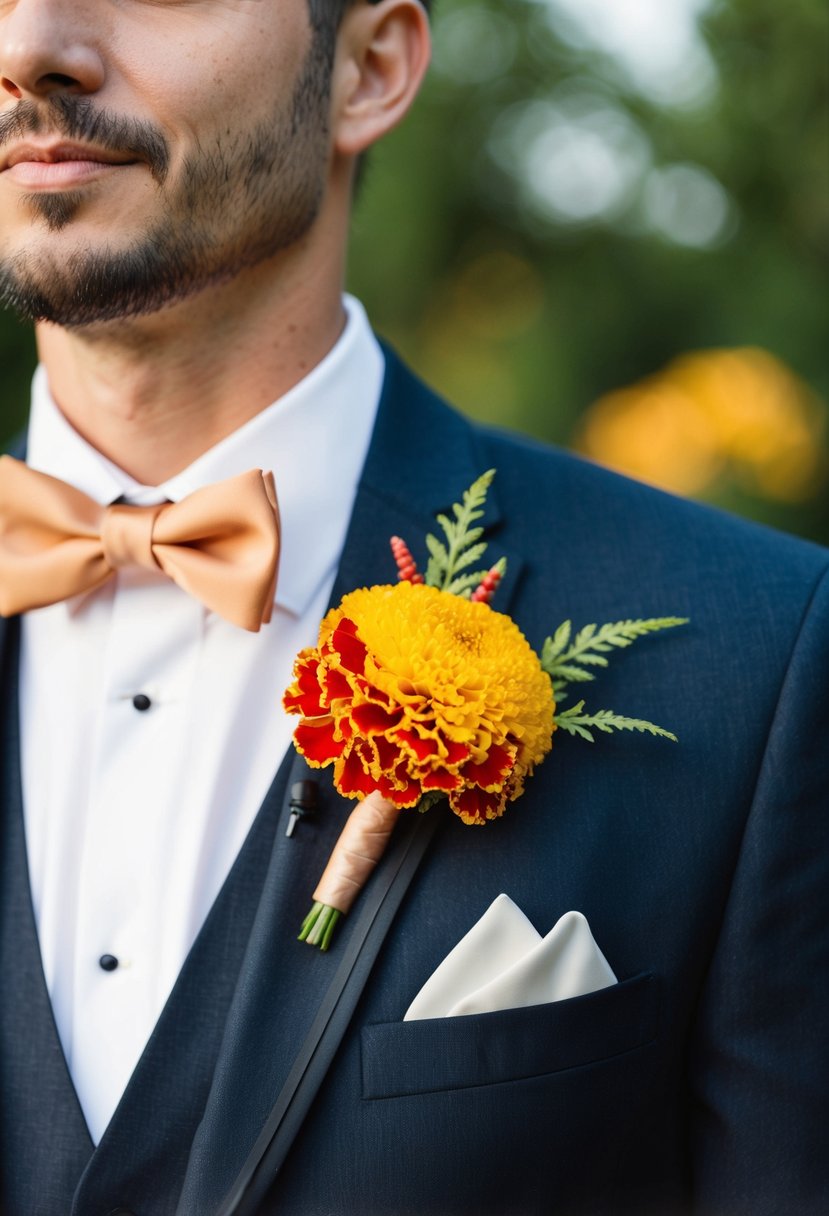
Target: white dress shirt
134 816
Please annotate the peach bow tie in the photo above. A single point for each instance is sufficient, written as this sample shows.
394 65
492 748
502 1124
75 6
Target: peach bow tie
220 544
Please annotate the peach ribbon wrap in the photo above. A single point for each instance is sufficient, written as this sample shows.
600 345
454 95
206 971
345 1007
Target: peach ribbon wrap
360 846
220 543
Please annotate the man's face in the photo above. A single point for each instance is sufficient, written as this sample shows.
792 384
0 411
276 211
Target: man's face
150 148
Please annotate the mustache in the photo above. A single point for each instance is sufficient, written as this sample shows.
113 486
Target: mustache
77 118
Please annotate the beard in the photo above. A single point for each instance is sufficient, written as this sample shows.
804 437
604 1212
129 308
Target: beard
236 202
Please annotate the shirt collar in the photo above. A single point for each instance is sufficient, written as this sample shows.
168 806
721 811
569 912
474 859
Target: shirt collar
314 439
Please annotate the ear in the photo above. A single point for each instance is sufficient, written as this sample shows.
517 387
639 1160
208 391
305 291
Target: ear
383 52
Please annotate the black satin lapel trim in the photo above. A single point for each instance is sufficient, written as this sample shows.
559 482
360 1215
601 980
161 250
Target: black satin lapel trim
314 1059
280 988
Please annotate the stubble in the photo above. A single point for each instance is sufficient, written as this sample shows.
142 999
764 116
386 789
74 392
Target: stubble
234 203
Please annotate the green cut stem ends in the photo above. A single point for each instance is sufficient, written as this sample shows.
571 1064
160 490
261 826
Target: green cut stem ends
319 925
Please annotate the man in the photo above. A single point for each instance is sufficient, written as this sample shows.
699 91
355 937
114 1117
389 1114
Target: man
175 185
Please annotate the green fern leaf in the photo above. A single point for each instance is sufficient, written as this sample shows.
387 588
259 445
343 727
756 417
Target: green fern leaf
555 645
434 573
437 549
559 657
466 583
594 660
607 721
463 545
571 720
471 555
583 637
575 728
566 674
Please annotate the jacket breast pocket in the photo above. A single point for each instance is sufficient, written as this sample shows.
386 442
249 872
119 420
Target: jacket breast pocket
404 1058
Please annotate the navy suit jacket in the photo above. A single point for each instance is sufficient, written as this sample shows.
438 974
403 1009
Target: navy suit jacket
699 1082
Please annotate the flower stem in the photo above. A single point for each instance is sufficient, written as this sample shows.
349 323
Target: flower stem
319 925
359 847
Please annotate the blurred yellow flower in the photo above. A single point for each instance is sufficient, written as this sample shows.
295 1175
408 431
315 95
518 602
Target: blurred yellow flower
710 416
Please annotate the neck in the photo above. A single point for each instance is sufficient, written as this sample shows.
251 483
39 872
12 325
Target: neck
153 393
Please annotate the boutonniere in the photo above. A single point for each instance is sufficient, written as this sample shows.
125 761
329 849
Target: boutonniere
421 692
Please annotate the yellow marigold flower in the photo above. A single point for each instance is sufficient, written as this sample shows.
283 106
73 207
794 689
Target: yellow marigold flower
412 691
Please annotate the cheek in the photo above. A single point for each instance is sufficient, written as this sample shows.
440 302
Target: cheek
208 64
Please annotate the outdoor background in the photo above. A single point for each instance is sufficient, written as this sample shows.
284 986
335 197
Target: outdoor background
607 225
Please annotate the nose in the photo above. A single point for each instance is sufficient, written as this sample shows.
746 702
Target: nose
46 47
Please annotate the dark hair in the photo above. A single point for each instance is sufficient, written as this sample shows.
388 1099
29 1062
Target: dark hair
326 16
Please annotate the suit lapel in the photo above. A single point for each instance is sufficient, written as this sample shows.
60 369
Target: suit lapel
421 458
36 1084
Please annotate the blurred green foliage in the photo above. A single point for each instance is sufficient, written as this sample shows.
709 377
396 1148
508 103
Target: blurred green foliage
524 318
564 214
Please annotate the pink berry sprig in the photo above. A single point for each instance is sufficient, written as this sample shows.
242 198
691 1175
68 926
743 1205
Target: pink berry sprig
406 565
487 587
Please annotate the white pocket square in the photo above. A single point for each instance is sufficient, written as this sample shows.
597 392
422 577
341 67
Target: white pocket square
504 963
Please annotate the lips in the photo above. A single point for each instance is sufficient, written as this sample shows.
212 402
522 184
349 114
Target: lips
58 153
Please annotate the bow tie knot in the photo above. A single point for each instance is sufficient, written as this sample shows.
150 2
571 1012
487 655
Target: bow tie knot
220 543
127 536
